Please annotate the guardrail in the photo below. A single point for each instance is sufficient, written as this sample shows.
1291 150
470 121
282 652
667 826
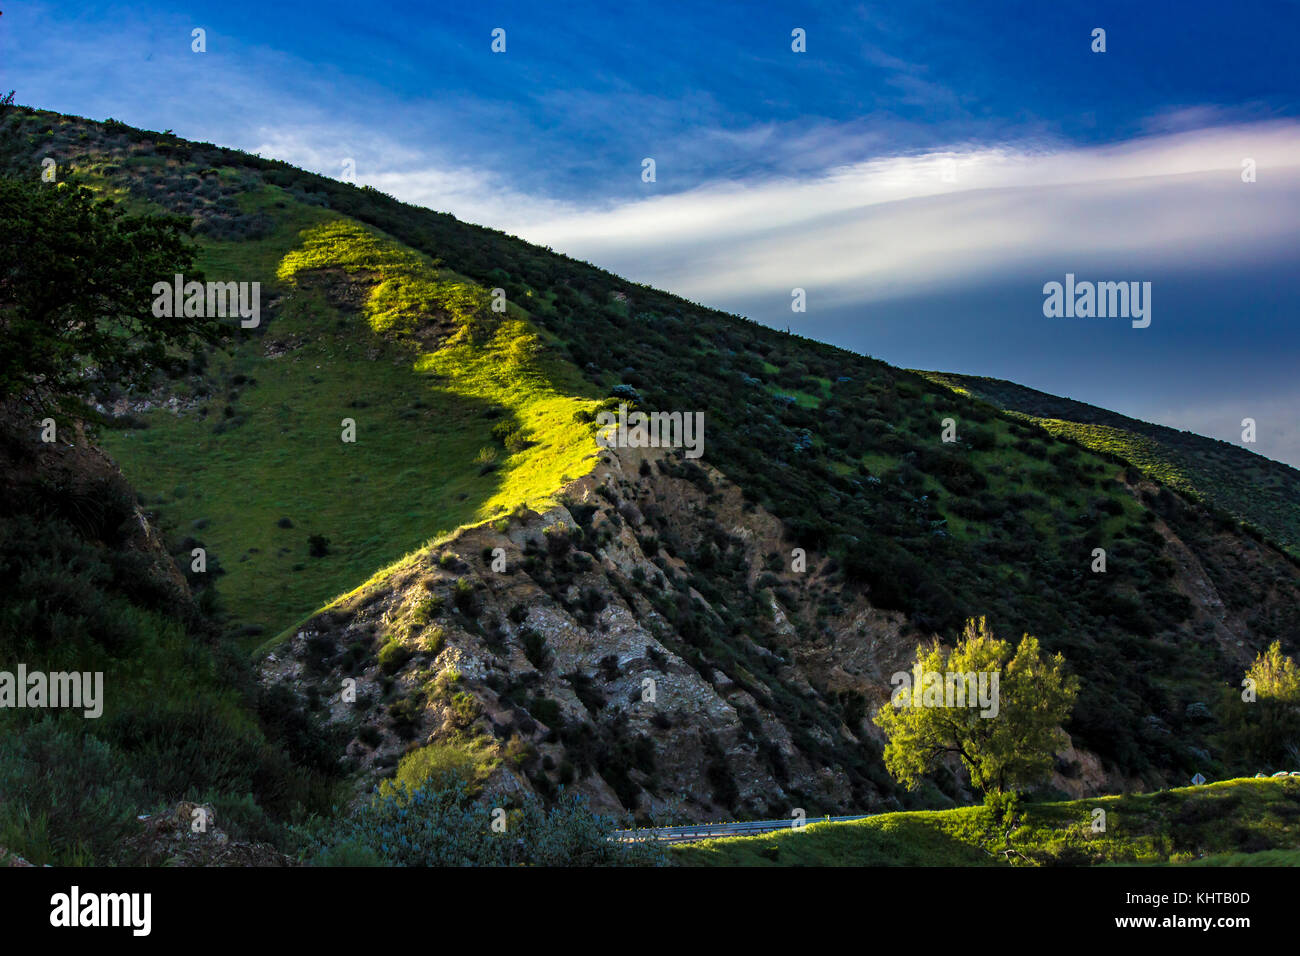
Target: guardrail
709 831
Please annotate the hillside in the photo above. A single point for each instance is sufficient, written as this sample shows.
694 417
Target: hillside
375 559
1233 479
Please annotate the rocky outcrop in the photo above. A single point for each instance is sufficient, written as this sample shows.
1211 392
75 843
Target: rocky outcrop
654 642
188 835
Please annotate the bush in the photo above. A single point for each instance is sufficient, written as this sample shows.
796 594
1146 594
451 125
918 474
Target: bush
348 853
66 800
486 459
393 657
440 824
546 711
185 751
558 541
466 597
535 649
406 713
424 610
462 763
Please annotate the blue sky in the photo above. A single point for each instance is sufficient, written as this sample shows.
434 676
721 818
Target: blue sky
921 171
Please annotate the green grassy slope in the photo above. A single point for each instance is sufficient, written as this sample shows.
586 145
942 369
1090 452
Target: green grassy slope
266 446
846 450
1259 819
1255 489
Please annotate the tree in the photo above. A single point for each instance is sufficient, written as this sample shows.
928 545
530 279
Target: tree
1001 713
1263 721
76 281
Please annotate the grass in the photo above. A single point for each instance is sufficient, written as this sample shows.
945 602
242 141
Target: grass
1141 451
270 447
1208 825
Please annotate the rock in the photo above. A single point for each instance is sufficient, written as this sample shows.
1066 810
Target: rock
187 835
11 859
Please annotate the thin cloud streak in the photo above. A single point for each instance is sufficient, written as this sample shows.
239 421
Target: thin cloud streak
878 229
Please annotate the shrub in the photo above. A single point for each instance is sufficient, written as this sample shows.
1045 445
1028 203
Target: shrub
440 824
466 597
406 712
586 690
546 711
535 649
66 799
424 610
462 762
609 667
393 657
434 639
558 541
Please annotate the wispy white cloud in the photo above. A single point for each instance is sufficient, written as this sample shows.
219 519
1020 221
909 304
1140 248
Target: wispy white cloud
879 228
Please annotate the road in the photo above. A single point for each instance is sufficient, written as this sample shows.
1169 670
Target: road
710 831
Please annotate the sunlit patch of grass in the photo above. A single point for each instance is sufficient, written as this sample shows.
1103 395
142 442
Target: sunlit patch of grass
510 370
1252 488
1263 858
1138 449
423 413
494 360
408 286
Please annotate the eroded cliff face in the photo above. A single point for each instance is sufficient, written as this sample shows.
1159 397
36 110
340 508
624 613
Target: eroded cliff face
642 643
654 644
1243 592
